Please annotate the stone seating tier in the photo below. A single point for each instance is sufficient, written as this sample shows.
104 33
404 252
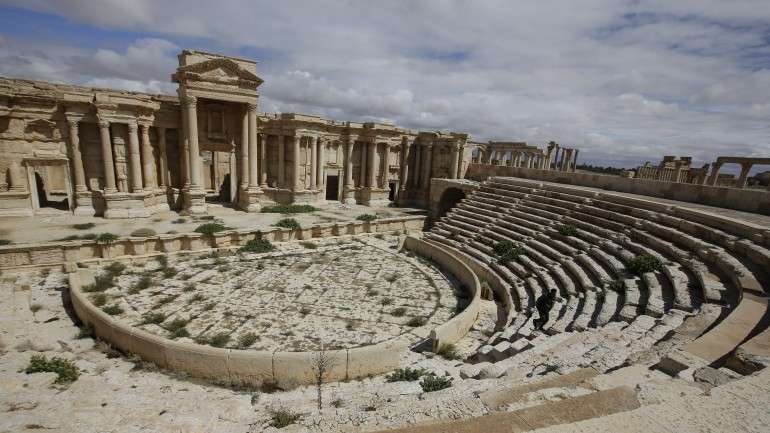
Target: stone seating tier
701 263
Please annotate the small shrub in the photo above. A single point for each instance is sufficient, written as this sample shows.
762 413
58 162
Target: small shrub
644 263
386 301
154 318
84 226
391 278
280 418
216 340
115 268
85 331
507 251
101 283
112 310
189 287
210 228
567 230
162 261
309 245
168 299
431 383
196 298
366 217
99 299
143 233
176 324
66 370
289 208
405 375
257 246
169 272
448 351
247 339
144 282
416 322
106 238
398 312
210 306
5 242
618 285
379 236
337 403
305 310
34 308
288 223
350 325
179 333
179 221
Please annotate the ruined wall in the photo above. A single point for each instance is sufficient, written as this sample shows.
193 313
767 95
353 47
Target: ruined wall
747 200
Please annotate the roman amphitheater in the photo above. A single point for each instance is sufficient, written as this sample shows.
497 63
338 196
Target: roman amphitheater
190 264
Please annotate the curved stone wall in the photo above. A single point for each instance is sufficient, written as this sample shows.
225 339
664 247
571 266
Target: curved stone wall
456 328
231 366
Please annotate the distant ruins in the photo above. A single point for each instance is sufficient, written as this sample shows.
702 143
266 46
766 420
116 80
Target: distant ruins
679 170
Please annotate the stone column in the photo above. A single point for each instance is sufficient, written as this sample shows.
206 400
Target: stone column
384 172
148 160
164 175
349 164
348 195
428 165
184 146
362 178
403 167
245 149
109 165
17 182
77 157
320 178
417 166
191 104
714 173
371 165
134 161
295 173
282 159
743 177
263 161
455 151
574 160
313 163
253 149
233 181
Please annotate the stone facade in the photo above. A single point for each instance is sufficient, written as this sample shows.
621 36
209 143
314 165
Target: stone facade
522 155
124 154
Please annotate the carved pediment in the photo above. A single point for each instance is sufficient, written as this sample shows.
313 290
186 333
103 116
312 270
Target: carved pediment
223 71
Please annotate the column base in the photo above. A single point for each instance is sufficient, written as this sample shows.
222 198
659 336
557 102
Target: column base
348 195
84 204
194 202
125 205
250 199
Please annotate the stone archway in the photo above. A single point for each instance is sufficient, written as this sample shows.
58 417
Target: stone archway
449 198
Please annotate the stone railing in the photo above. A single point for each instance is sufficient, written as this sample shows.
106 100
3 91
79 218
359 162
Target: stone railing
748 200
231 366
455 328
47 254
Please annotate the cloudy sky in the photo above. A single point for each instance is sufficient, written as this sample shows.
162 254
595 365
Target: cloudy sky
624 81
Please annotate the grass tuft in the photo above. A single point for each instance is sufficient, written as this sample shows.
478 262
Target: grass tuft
66 370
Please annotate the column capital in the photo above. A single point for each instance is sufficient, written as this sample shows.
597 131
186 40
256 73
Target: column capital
73 123
189 101
102 121
145 125
132 125
251 107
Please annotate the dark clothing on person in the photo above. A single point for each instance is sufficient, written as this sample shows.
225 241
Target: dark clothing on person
544 304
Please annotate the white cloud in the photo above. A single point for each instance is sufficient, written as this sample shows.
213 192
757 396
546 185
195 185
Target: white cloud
625 81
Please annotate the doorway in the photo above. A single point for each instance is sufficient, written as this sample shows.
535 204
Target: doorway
392 192
332 187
